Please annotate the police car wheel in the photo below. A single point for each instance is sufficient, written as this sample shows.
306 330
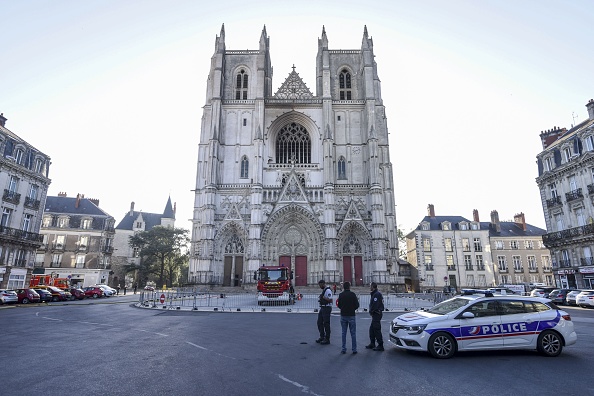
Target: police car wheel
549 343
442 346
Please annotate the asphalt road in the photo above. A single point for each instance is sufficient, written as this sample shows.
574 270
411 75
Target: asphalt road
108 347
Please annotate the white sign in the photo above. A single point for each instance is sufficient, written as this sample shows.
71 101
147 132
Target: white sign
587 270
3 270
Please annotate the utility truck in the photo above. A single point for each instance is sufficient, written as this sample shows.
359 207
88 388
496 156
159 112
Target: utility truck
275 285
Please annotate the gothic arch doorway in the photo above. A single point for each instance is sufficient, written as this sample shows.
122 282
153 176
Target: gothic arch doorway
352 261
233 261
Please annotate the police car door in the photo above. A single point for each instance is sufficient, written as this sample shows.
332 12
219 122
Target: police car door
519 322
481 329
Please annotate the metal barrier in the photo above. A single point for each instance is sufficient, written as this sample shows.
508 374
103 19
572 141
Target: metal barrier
196 300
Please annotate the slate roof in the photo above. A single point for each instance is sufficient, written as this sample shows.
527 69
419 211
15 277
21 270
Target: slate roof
434 222
67 205
512 229
150 219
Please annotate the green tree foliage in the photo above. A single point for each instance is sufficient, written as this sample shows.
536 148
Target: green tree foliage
163 250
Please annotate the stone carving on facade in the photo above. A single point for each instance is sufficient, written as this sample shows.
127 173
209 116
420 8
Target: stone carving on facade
293 88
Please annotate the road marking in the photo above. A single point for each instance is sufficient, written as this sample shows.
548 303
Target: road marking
57 320
197 346
304 389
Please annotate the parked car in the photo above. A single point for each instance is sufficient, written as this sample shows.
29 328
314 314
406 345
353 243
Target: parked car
57 294
44 295
8 296
77 294
585 299
559 296
541 292
93 292
570 298
27 296
107 291
485 322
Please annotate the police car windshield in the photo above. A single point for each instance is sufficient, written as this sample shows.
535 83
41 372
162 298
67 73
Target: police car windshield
449 306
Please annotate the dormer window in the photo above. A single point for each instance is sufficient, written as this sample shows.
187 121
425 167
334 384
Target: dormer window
38 165
566 154
425 226
344 82
474 226
241 85
18 156
446 226
548 164
463 226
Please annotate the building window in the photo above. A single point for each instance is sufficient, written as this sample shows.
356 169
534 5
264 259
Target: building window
468 262
60 242
448 245
56 260
479 262
546 263
566 154
470 280
482 280
86 224
62 222
16 281
581 218
499 245
293 145
33 192
474 226
6 213
426 244
341 168
463 226
514 245
83 242
428 263
517 260
244 121
344 82
430 280
18 156
425 226
80 261
502 263
465 245
529 244
27 220
504 279
245 164
531 263
450 262
477 245
47 221
559 221
38 165
548 164
12 184
241 85
553 190
590 143
445 226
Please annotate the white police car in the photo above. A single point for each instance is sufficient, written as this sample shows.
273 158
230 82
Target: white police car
485 321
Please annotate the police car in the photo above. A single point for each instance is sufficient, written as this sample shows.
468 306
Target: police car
479 321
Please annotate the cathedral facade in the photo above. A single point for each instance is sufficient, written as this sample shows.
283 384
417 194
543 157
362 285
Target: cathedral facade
292 178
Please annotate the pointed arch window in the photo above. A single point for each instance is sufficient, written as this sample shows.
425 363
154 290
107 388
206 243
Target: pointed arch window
241 85
293 145
341 168
245 165
344 81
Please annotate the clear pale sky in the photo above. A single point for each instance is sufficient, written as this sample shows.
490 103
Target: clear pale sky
113 90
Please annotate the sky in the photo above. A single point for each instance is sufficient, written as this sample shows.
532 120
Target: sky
112 90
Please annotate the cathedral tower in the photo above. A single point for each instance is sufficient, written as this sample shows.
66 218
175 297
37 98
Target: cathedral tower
293 178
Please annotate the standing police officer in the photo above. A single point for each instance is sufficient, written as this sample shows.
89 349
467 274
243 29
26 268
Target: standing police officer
325 300
376 309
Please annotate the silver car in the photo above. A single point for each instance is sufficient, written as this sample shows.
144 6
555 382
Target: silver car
8 296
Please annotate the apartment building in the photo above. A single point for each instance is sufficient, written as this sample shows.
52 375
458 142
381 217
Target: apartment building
24 173
566 183
77 241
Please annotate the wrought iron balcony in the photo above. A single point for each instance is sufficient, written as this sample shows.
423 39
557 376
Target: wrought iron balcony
547 269
504 270
17 234
468 268
554 201
564 263
32 203
573 195
428 267
587 260
554 238
11 196
451 268
480 267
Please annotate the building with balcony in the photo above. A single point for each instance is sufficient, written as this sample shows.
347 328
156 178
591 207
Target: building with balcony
451 251
77 241
24 173
518 253
566 183
133 222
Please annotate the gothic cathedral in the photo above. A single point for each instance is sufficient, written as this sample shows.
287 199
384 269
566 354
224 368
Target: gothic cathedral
292 178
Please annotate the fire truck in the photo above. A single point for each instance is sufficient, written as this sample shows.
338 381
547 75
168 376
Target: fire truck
48 280
275 285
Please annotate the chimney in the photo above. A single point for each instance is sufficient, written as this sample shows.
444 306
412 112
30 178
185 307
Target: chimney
131 213
95 201
430 210
475 216
550 136
77 201
62 194
495 224
2 119
589 106
520 220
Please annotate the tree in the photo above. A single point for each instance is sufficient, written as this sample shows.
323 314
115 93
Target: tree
159 247
401 243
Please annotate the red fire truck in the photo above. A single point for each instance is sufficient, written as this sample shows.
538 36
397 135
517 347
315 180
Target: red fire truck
48 280
275 285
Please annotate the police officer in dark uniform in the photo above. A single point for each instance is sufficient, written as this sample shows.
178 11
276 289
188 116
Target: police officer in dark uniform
325 301
376 309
